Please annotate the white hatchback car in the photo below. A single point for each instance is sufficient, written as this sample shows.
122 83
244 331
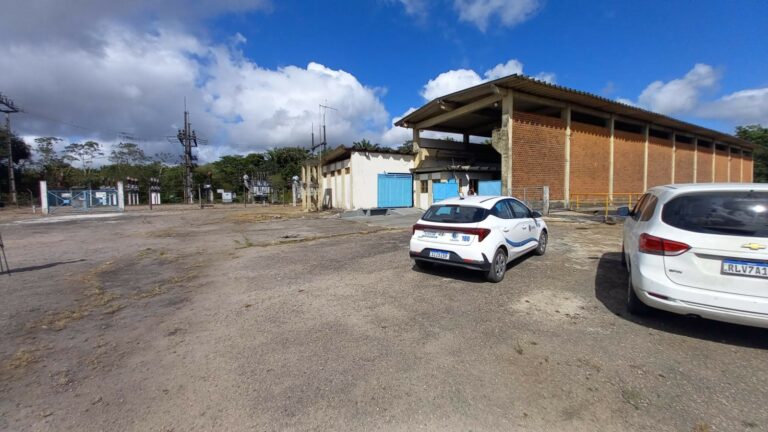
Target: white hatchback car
700 249
479 233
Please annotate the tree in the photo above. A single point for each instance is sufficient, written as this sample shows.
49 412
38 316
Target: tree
85 153
53 167
758 135
365 145
128 154
406 147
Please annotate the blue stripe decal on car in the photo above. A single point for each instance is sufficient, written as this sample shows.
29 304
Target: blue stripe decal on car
522 243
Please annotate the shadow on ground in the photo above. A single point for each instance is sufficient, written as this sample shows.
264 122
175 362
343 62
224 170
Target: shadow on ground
43 266
467 275
611 290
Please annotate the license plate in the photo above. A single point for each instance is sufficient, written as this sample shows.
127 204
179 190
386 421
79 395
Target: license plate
745 268
439 255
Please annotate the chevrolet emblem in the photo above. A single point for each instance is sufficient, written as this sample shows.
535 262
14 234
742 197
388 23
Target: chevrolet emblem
753 246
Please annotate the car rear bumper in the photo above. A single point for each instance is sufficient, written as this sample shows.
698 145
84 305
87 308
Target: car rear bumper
454 260
659 292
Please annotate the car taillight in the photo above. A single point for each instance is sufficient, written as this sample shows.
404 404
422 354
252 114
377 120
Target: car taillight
481 233
659 246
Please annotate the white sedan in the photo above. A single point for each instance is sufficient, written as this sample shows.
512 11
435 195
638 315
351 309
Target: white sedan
700 250
479 233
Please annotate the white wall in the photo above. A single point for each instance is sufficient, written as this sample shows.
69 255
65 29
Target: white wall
366 168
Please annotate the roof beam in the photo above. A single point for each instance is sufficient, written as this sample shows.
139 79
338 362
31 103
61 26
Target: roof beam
458 112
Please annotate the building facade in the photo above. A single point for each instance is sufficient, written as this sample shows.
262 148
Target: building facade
580 144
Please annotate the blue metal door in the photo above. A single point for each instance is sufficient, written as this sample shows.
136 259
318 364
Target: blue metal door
489 187
441 191
395 190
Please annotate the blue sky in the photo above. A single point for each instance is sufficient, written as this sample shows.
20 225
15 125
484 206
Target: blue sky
254 71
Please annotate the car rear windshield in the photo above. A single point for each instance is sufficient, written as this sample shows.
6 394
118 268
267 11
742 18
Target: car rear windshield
455 214
725 213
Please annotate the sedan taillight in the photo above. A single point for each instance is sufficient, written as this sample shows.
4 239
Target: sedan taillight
659 246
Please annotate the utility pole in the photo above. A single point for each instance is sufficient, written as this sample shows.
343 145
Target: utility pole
188 139
8 107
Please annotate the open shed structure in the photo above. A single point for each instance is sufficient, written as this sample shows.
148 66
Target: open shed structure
577 143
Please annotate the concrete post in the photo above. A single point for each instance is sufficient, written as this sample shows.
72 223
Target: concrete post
611 127
567 168
507 111
545 200
714 155
728 150
44 197
647 133
429 191
120 196
417 147
695 159
674 153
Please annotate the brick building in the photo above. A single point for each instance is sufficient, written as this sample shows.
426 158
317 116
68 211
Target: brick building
579 143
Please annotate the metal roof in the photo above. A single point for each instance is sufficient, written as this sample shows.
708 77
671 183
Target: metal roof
526 85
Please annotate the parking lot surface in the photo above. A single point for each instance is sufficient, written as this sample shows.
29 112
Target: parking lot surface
258 319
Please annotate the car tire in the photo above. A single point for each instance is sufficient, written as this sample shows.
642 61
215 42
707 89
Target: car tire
498 266
423 265
541 249
635 306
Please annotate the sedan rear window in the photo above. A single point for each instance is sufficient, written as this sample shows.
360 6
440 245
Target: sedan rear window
455 214
725 213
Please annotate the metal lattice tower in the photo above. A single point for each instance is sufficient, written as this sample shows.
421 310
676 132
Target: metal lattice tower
188 139
8 107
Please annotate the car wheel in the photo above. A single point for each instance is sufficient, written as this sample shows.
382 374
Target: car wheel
635 306
543 239
423 265
498 266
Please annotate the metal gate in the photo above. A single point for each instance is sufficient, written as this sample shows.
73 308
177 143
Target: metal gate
84 200
441 191
489 187
395 190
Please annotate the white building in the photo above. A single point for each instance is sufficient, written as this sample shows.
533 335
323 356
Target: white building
359 179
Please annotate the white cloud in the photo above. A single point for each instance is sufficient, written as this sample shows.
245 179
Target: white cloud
504 69
459 79
508 12
137 83
414 7
679 95
395 135
738 108
686 96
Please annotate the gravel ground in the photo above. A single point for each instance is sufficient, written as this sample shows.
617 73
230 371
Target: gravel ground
260 319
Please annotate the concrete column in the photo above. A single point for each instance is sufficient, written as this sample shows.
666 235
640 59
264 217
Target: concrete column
741 166
611 127
674 152
728 150
714 156
417 147
507 111
466 139
646 132
44 197
695 159
120 196
567 168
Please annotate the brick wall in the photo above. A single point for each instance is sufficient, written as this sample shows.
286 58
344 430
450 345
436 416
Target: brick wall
735 168
538 152
748 168
628 155
590 146
721 166
659 161
684 162
704 165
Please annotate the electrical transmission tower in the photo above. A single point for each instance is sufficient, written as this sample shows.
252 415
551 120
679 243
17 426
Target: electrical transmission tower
8 107
188 138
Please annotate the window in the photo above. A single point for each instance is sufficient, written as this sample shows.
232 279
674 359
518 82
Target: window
455 214
639 205
424 186
724 213
502 211
519 209
649 208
